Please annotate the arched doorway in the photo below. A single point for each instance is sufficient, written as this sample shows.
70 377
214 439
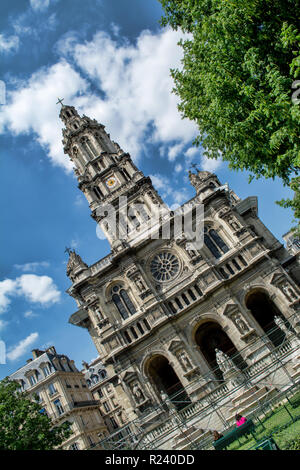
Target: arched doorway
165 378
264 310
210 336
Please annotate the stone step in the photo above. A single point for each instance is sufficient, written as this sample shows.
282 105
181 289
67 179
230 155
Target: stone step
194 437
296 374
245 394
249 399
248 407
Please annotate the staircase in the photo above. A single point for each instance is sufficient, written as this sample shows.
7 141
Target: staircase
249 399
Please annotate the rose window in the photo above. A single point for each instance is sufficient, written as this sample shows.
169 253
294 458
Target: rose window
164 266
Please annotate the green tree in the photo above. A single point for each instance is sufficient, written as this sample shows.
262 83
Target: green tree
22 425
240 67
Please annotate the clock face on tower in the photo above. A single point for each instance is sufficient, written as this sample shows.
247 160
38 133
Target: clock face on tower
111 182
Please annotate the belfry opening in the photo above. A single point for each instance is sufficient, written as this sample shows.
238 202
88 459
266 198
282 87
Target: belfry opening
166 380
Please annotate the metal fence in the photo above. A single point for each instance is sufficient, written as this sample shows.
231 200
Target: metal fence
195 420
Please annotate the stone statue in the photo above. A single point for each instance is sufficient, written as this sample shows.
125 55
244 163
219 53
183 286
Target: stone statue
280 323
184 361
239 323
224 362
193 178
138 394
288 291
233 224
139 284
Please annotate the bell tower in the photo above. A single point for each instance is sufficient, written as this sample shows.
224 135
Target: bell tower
121 198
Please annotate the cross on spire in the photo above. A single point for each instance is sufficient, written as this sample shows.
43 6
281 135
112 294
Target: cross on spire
60 101
68 250
194 166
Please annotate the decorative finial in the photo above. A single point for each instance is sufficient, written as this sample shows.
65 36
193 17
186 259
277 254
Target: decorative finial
68 250
60 101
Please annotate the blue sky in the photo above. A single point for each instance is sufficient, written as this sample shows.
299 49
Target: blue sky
110 59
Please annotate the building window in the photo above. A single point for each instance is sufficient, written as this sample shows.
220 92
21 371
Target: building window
32 379
106 406
52 389
43 411
122 302
46 370
90 441
114 423
38 397
214 242
59 407
164 266
74 446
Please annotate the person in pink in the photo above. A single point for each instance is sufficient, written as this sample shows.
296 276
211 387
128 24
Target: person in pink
240 420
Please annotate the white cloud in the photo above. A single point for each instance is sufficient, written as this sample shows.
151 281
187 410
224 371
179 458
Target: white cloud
134 100
36 289
136 83
32 108
166 189
9 43
33 267
174 151
22 347
178 168
8 287
30 314
39 5
39 289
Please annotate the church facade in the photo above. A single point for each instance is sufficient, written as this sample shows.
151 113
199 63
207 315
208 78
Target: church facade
169 319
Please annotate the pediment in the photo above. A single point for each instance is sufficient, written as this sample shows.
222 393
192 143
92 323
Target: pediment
174 345
128 375
277 278
229 309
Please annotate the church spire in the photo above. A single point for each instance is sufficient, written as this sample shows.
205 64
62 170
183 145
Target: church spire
105 173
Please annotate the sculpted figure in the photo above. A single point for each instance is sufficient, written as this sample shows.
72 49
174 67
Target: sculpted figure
288 291
224 362
240 324
280 323
184 361
137 393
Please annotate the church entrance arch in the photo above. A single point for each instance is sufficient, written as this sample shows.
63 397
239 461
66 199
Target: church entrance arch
264 310
166 380
210 336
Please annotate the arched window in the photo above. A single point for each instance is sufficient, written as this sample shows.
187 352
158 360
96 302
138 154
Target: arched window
214 242
122 301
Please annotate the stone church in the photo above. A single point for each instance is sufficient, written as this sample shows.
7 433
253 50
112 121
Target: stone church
172 324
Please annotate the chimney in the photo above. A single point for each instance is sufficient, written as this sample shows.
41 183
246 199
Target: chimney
51 350
36 353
